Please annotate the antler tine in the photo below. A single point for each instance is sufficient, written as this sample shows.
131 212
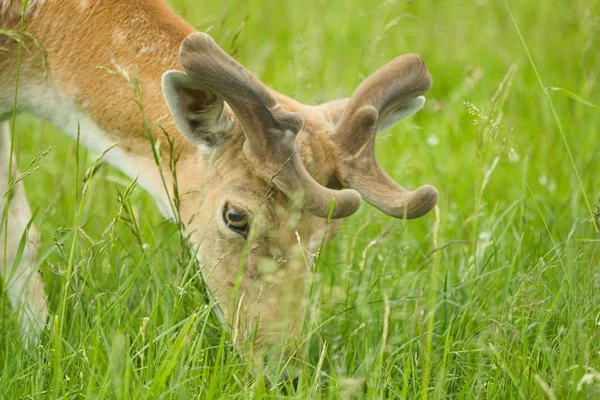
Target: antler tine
397 85
269 129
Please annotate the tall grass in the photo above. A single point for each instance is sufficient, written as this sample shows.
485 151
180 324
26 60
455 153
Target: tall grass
494 295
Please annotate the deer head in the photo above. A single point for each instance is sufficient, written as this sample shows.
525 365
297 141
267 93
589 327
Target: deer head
257 205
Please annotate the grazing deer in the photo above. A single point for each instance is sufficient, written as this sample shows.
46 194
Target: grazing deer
256 172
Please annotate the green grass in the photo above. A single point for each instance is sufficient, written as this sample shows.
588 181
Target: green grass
495 295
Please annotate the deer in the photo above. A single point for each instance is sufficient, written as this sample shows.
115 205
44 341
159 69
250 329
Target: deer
259 175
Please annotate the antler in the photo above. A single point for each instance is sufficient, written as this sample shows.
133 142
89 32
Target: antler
269 129
394 87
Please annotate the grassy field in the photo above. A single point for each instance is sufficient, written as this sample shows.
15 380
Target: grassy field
495 295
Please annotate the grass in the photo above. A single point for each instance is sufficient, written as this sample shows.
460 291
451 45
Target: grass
495 295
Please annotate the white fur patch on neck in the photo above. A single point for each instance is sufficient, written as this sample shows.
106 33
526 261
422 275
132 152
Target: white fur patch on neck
14 7
52 105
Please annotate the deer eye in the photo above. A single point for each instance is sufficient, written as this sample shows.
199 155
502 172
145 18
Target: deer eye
236 220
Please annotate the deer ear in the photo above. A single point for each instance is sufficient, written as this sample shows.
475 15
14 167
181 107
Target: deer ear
335 110
198 113
404 110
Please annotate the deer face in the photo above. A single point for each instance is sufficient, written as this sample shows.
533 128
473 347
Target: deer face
259 211
256 247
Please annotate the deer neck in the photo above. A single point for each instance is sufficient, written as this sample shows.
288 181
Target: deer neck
98 77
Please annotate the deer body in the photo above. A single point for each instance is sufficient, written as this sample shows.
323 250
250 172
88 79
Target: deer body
73 90
238 142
